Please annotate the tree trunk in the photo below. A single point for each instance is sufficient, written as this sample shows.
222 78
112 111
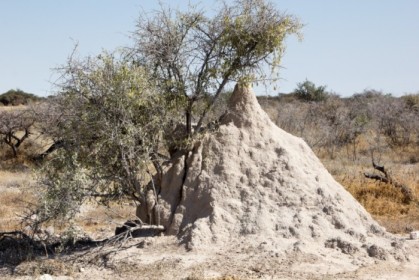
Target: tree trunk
189 119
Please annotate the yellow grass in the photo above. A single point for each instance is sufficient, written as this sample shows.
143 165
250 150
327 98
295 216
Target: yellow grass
100 221
11 108
15 194
383 201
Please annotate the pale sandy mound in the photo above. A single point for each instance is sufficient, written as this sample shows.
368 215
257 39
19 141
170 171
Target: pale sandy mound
252 186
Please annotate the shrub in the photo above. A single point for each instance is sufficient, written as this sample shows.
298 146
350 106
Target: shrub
16 97
308 91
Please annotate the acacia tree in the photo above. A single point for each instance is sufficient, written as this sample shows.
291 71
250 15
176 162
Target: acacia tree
121 113
193 56
112 122
15 127
51 118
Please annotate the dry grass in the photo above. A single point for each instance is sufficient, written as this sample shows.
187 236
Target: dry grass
12 108
384 201
14 199
379 198
10 179
400 223
100 221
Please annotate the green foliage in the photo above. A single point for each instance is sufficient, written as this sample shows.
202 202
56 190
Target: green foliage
369 94
114 128
196 56
308 91
412 101
16 97
253 30
120 114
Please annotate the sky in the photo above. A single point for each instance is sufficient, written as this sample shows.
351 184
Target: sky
348 46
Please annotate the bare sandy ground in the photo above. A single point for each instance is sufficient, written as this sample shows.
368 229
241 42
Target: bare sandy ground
163 258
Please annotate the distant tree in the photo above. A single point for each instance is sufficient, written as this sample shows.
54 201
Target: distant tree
15 127
370 94
308 91
16 97
328 125
51 116
412 101
342 127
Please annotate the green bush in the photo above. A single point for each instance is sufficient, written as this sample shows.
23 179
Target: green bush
16 97
308 91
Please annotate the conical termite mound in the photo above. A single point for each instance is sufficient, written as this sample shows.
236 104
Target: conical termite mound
250 184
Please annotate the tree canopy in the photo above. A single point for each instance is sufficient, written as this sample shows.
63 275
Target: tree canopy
193 56
16 97
308 91
121 116
113 125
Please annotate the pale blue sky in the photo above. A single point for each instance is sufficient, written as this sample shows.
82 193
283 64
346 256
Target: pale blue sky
348 45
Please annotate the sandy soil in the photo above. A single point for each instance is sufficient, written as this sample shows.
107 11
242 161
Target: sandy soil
162 258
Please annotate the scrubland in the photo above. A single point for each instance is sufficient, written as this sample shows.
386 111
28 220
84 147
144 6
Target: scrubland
347 134
18 193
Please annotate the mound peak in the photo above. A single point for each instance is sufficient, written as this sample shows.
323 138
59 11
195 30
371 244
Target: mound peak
252 185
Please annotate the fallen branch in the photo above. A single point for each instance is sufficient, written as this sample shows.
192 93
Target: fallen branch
137 229
386 178
376 177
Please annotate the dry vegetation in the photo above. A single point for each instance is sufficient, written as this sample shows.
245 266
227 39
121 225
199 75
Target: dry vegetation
382 200
346 161
346 154
18 192
347 134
